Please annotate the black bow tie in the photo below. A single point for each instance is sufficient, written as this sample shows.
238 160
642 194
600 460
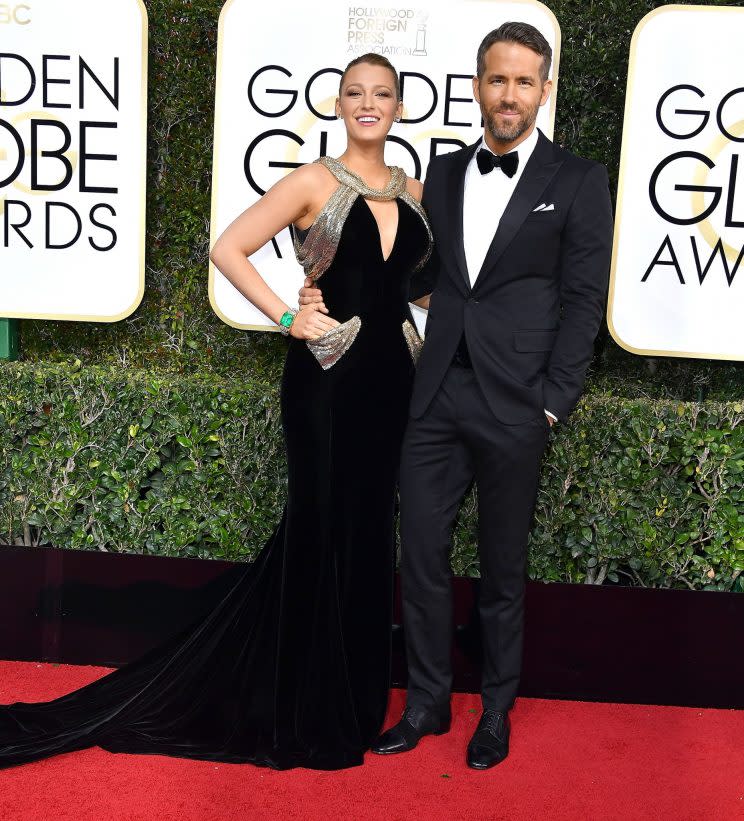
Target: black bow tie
487 161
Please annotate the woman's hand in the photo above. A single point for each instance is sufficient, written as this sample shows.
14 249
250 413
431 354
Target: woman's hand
310 323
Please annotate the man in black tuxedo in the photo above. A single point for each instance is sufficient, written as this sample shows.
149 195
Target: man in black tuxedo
522 235
522 238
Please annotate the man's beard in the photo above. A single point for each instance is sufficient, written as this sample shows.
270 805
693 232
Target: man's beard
509 133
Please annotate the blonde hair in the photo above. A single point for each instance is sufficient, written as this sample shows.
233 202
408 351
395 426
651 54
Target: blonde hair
373 60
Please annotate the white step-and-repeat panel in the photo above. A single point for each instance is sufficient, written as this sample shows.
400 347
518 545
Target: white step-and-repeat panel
677 286
73 121
278 71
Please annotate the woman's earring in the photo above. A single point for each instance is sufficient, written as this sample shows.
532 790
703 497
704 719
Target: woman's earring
397 119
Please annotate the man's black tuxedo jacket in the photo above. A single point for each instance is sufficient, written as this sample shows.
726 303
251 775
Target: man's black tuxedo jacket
532 316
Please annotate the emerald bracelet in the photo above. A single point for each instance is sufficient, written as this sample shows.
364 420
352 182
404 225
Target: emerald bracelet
285 323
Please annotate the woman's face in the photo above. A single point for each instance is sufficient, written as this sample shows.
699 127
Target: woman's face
367 103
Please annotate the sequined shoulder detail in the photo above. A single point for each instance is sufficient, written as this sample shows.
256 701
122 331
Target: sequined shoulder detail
395 187
418 209
316 252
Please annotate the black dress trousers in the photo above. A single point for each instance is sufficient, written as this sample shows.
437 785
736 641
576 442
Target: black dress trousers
458 439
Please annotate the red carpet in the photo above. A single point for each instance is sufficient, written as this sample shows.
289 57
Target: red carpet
569 760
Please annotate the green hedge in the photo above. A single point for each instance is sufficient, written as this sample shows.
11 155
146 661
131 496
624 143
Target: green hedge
128 461
640 492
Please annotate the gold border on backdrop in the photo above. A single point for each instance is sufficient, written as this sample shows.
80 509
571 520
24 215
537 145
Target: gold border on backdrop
217 134
676 7
143 201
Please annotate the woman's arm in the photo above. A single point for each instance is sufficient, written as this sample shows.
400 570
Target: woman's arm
293 198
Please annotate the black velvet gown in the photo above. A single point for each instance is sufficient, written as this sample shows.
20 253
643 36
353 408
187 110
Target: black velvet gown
291 666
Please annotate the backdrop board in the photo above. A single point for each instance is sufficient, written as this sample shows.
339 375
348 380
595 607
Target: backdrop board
278 70
73 116
677 285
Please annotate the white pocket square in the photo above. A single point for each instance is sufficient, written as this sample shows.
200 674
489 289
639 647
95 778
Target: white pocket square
544 207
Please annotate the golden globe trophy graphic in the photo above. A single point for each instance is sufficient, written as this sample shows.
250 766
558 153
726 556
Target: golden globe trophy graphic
420 50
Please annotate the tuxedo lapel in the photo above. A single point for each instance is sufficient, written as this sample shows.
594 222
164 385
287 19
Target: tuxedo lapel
455 200
538 172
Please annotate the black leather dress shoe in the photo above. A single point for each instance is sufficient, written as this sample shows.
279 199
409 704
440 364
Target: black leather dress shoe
489 745
415 723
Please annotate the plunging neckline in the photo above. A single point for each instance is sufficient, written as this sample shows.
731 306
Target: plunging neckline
379 233
315 247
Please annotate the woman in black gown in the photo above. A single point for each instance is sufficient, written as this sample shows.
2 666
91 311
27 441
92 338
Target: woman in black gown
291 667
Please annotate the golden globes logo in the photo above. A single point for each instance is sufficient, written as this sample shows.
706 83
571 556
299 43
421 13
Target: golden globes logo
273 92
57 155
690 170
20 14
676 280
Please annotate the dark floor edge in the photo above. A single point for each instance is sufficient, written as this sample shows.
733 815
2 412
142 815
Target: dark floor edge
585 643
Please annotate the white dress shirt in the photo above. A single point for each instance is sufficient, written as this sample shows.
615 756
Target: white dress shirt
485 200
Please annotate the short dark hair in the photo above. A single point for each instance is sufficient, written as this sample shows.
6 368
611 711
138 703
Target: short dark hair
525 35
373 60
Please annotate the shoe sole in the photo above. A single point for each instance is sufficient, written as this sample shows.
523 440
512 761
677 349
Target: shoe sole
482 767
485 766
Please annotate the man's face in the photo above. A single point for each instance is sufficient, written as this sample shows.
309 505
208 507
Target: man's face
510 92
